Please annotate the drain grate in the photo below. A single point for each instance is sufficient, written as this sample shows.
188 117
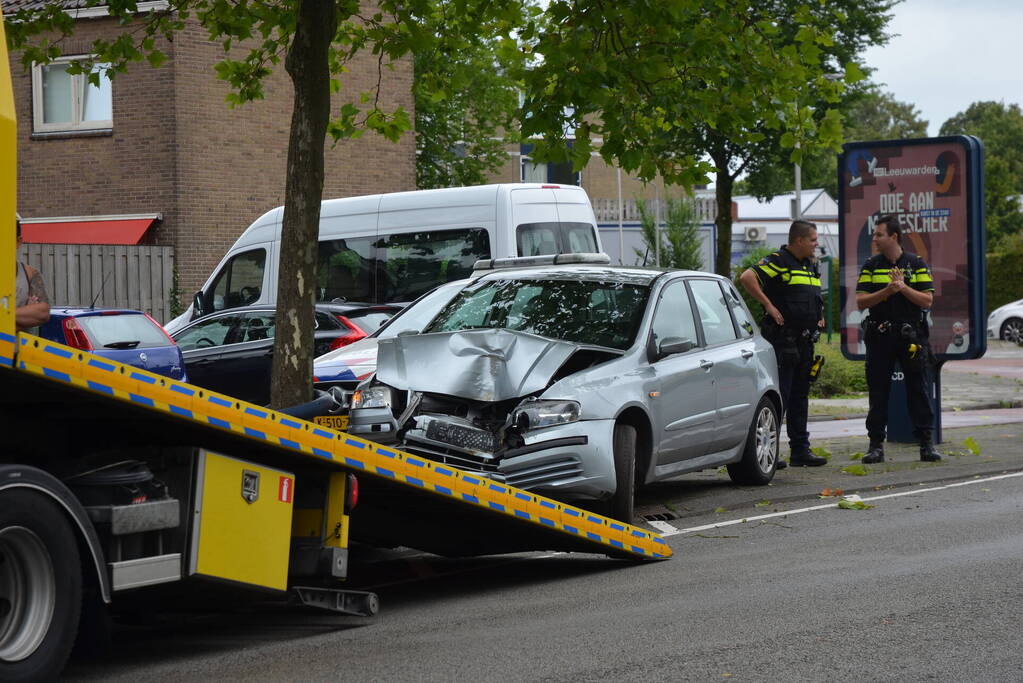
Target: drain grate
660 517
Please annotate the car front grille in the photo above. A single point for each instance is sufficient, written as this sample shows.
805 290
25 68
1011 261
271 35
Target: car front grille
527 478
547 473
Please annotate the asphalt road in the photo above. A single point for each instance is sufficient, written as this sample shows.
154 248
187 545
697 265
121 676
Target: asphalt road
923 586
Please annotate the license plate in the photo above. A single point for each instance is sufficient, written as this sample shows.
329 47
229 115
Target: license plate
464 437
338 422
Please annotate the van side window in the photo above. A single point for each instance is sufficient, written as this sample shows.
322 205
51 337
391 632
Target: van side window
398 267
240 282
347 269
416 262
543 239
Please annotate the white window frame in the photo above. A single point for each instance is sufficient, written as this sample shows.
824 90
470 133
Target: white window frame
78 85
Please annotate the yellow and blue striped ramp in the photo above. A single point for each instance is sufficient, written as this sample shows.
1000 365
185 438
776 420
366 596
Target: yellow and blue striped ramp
406 500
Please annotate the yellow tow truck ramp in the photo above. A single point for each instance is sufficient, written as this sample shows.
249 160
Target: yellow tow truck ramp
404 499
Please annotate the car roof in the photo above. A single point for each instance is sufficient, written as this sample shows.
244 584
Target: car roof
592 272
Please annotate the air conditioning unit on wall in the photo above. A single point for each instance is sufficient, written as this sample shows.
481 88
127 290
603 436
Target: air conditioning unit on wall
756 233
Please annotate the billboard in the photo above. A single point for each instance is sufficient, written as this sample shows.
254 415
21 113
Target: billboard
935 187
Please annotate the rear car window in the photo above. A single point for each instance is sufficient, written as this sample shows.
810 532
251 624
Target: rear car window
112 330
370 321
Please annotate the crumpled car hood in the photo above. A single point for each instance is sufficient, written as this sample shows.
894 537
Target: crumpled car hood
481 365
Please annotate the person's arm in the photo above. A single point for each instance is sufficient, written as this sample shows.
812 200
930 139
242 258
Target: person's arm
37 310
751 283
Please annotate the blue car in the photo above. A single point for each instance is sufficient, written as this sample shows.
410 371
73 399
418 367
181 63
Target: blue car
126 336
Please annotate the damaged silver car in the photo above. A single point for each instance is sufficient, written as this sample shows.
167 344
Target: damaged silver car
582 382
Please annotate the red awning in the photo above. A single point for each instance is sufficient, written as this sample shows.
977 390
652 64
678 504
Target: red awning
86 232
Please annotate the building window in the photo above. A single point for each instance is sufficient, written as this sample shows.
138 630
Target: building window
554 172
69 102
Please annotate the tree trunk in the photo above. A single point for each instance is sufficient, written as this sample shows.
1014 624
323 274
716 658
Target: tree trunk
306 62
723 182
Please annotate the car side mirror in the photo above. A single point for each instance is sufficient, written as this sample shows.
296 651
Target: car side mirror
197 306
673 345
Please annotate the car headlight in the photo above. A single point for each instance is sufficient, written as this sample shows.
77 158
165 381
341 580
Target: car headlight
536 414
372 397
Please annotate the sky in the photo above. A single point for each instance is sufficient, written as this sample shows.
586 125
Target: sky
951 53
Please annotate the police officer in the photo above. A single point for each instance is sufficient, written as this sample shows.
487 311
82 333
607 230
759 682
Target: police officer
788 285
897 287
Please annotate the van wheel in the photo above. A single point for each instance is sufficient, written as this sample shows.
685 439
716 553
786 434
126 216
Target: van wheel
760 457
624 500
40 587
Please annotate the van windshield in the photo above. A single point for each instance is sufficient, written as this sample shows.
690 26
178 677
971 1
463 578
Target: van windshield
399 267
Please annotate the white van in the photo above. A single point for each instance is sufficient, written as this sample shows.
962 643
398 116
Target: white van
394 247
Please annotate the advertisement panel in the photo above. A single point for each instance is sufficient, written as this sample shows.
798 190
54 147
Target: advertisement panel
935 188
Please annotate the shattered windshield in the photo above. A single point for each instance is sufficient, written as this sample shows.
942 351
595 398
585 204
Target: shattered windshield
603 313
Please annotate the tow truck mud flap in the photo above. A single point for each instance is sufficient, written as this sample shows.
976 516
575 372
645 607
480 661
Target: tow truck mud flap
404 500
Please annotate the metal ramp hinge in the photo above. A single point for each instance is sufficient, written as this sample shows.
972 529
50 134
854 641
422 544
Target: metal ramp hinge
358 603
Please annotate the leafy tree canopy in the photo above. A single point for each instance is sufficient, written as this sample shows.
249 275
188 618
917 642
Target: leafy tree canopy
665 85
868 113
1000 128
466 102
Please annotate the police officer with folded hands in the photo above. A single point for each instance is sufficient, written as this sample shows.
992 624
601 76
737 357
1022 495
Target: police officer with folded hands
898 289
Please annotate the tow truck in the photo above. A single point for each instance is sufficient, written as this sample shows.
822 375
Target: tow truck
117 484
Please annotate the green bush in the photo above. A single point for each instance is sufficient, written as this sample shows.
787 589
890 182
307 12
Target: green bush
1005 273
839 376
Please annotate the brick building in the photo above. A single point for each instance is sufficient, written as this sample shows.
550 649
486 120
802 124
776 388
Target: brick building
167 153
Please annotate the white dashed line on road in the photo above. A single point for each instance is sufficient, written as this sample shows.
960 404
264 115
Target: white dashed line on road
666 529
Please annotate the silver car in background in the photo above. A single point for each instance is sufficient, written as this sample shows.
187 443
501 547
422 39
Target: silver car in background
581 381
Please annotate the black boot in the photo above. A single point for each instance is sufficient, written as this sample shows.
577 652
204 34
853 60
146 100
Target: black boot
927 452
781 464
875 453
806 459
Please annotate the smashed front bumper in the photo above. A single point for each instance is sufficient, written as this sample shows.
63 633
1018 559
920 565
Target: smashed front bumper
568 462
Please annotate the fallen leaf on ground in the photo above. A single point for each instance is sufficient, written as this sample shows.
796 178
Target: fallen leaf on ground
828 493
821 452
720 510
858 470
858 455
971 445
853 505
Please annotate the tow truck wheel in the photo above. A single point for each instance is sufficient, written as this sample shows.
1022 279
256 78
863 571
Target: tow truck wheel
624 500
40 587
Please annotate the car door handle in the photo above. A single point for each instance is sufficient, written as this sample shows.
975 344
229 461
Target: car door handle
747 354
706 364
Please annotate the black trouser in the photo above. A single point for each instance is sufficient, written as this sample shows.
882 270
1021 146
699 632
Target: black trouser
794 360
883 349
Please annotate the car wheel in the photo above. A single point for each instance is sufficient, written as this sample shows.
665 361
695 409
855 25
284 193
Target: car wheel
40 587
1012 330
760 456
624 500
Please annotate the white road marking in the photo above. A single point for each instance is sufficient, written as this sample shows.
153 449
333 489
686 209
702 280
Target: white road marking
667 530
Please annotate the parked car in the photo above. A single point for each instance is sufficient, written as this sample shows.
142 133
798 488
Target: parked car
232 351
582 382
1006 322
124 335
347 366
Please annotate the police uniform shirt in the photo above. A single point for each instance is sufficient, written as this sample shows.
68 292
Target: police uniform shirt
875 276
793 286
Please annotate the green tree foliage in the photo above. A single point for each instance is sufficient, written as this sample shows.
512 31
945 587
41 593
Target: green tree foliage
1000 128
666 86
315 40
868 113
679 235
466 103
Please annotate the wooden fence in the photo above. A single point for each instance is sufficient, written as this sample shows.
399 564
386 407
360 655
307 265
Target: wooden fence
139 277
606 210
